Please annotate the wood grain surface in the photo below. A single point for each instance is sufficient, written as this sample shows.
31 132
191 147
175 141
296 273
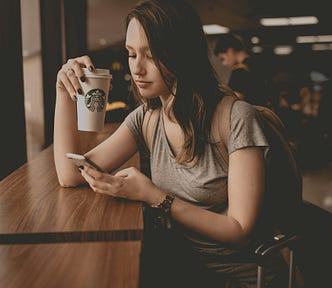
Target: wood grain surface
74 265
34 208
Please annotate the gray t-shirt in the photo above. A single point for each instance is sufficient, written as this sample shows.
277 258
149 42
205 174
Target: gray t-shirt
205 183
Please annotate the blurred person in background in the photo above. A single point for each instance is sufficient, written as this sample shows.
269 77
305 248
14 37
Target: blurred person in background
246 78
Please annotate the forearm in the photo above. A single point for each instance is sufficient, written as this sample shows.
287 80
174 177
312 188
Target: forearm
213 225
216 226
66 139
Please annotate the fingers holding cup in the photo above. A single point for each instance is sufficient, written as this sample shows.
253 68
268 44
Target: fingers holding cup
65 84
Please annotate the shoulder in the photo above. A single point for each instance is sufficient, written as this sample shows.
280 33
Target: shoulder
231 113
234 108
139 110
230 108
134 119
244 110
137 115
246 128
245 119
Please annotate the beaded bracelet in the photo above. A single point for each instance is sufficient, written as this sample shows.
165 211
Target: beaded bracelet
162 219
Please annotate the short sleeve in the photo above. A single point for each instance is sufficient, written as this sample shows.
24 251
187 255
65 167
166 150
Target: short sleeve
134 122
246 129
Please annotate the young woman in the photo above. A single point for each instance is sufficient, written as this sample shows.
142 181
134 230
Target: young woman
217 207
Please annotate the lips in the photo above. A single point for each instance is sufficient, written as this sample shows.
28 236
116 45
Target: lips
143 84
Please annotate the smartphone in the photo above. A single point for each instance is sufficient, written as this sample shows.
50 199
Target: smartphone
81 160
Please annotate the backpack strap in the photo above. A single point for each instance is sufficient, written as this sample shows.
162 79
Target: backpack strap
221 125
149 123
279 129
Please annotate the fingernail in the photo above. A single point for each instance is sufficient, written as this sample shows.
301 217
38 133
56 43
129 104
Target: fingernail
81 168
82 79
79 90
74 98
91 68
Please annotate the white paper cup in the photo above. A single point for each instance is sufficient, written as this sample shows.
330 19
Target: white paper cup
91 107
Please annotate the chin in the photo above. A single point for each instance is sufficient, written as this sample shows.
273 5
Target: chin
147 95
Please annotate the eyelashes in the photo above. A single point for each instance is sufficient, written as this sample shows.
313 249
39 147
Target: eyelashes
134 56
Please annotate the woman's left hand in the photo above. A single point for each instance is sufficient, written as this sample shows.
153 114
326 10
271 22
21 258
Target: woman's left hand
128 183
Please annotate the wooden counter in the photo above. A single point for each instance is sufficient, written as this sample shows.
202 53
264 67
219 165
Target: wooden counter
70 265
34 208
41 223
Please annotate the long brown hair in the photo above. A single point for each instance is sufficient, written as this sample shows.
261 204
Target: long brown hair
177 42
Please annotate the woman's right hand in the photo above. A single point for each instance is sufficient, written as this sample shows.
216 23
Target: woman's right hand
69 75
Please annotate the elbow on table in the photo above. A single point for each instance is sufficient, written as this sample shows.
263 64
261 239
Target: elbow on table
68 182
68 177
65 184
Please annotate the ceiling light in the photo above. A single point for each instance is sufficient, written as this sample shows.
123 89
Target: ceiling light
283 50
306 39
322 47
254 40
303 20
215 29
324 38
274 21
312 39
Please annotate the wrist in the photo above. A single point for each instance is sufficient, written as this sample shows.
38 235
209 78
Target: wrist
156 196
165 204
159 212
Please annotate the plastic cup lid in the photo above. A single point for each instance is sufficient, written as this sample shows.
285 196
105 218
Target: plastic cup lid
97 73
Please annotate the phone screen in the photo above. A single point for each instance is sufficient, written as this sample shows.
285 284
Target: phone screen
81 160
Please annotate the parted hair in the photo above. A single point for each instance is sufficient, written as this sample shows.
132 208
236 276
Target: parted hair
178 43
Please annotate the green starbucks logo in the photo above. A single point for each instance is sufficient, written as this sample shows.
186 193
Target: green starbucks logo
95 100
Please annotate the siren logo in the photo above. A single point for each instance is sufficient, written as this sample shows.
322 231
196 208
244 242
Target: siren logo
95 100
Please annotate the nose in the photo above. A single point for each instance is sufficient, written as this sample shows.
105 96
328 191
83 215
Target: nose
137 66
